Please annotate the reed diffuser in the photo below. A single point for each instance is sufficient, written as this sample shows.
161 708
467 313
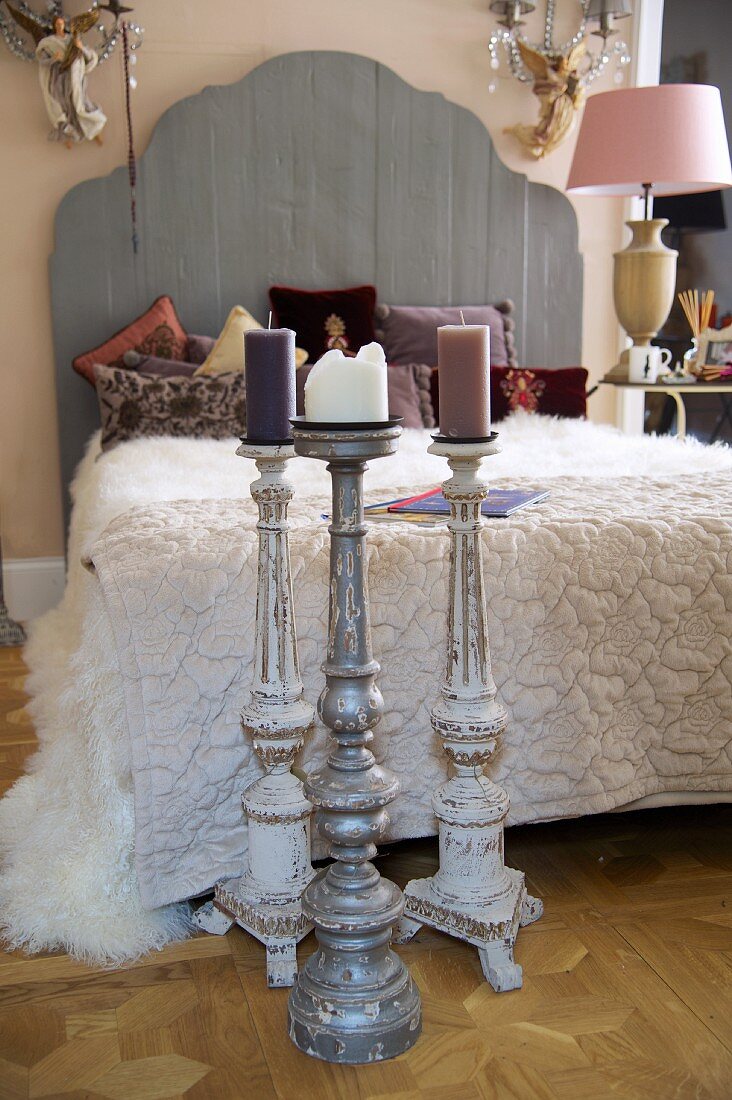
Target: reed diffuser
698 314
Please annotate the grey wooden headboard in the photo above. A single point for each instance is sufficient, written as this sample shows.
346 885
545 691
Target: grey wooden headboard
318 169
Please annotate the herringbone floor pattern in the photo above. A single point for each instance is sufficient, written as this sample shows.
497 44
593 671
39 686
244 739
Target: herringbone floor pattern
626 994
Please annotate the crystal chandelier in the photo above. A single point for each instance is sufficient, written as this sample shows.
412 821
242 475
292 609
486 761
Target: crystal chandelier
597 17
20 16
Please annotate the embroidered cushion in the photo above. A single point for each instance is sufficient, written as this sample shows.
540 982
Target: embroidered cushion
326 319
534 389
408 334
409 393
134 405
157 332
560 392
227 353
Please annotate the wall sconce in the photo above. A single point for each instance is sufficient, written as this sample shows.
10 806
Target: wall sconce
559 72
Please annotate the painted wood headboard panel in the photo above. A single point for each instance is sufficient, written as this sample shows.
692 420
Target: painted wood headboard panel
317 169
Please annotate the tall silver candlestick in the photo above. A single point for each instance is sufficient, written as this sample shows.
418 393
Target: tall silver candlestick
354 1001
266 900
473 896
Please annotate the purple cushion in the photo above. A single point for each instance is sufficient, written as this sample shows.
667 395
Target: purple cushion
151 364
409 393
199 348
408 334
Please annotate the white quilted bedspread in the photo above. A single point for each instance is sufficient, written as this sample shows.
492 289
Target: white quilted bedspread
610 614
609 618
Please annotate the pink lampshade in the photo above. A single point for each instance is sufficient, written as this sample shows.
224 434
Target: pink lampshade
670 135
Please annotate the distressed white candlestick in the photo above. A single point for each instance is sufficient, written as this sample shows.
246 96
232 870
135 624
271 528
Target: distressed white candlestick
473 896
266 899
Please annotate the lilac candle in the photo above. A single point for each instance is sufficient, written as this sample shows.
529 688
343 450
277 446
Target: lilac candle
464 365
269 372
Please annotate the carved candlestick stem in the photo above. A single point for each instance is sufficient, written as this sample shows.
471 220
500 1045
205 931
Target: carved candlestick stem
354 1001
473 896
266 900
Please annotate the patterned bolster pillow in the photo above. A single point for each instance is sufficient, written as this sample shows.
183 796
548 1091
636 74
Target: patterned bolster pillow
133 405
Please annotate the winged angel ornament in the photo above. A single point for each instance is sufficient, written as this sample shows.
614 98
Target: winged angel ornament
64 63
557 85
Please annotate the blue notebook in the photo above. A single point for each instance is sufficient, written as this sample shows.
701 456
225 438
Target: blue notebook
498 504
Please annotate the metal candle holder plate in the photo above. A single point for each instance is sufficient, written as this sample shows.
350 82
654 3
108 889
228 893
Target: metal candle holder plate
266 900
473 896
354 1001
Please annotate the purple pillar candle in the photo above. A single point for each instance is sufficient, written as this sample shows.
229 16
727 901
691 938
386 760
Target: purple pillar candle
269 373
464 374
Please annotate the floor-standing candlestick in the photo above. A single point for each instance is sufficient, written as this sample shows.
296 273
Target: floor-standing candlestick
266 900
354 1001
473 896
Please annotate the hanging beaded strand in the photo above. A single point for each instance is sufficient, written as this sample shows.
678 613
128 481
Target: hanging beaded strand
131 159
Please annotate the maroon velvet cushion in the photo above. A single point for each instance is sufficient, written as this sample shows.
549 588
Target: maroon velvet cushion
326 319
409 393
157 332
552 392
408 334
560 392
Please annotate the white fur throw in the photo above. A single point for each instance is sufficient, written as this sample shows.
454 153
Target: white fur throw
610 616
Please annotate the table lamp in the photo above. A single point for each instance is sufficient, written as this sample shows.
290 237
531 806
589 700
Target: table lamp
669 139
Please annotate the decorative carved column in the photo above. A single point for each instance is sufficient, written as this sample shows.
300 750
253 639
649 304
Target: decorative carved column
354 1001
266 900
473 896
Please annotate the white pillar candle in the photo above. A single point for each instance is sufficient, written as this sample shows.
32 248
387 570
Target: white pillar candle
340 390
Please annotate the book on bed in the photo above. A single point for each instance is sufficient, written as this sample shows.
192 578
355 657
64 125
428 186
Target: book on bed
499 503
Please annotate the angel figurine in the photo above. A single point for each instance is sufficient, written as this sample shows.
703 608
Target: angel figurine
64 63
557 85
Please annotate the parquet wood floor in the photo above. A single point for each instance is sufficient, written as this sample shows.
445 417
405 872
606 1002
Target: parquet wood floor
627 990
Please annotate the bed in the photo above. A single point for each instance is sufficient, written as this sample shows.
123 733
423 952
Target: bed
610 603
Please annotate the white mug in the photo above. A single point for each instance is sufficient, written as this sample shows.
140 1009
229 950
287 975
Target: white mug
645 363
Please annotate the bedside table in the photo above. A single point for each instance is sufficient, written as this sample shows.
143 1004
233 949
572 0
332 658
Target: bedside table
679 392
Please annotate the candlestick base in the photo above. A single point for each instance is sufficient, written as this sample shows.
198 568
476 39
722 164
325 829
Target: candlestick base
473 896
491 928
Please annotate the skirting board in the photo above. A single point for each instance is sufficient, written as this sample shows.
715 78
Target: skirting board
32 585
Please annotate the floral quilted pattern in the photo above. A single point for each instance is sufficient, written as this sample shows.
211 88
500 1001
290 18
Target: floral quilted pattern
609 613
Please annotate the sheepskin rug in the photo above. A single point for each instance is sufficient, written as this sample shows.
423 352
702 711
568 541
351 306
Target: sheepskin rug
67 827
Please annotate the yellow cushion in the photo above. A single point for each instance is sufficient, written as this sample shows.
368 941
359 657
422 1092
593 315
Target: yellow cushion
227 353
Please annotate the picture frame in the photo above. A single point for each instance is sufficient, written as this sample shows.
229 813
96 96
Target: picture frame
715 346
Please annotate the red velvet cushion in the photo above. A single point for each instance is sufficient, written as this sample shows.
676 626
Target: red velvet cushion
157 332
559 392
552 392
325 319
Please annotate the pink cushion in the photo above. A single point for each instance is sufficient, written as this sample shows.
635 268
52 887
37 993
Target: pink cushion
157 332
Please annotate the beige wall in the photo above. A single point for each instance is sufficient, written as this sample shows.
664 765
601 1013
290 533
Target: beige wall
433 44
